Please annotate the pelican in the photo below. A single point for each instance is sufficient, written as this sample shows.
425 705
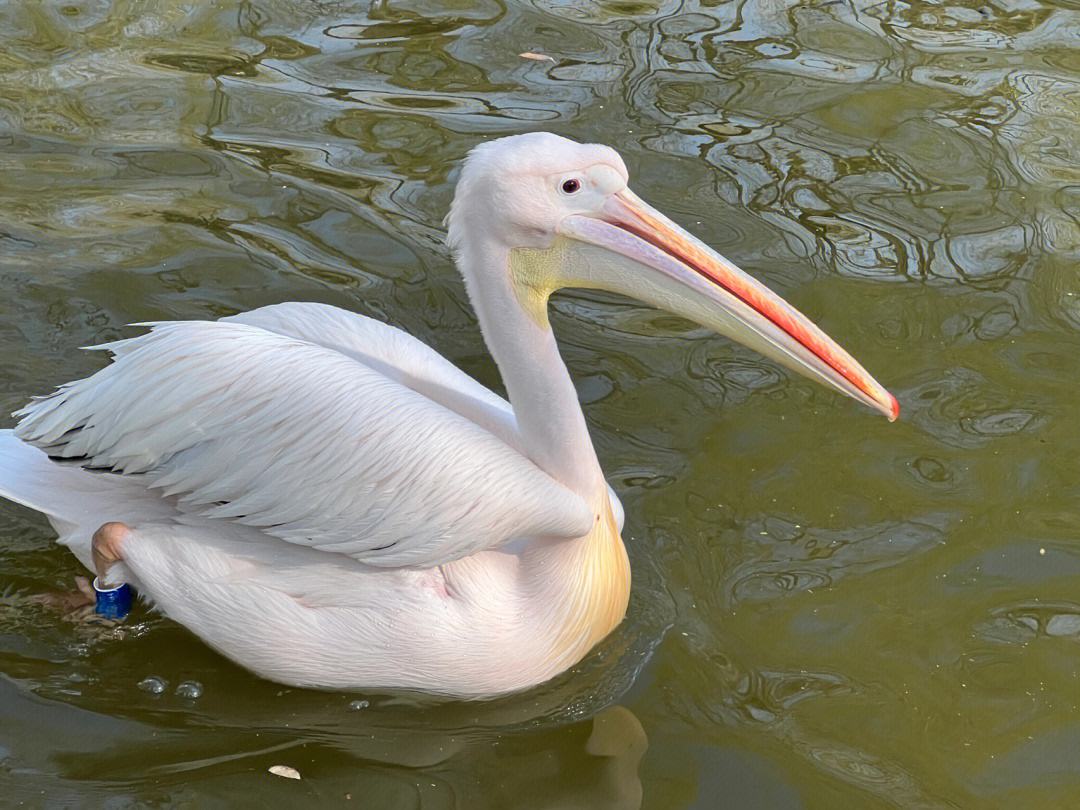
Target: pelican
330 503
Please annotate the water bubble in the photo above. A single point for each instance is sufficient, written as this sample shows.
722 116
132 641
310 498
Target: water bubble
190 690
153 684
1063 624
358 705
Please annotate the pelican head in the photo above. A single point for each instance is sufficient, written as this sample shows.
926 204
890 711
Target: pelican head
564 215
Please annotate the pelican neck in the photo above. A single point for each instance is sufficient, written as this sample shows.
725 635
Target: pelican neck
549 418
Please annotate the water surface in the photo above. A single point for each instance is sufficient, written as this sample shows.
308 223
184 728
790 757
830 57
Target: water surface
829 610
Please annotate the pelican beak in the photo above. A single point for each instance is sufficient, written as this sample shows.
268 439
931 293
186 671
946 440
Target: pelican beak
690 279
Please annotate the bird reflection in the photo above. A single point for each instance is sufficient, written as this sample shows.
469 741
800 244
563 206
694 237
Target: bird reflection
591 764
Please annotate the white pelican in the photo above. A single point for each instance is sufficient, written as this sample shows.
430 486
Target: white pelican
328 502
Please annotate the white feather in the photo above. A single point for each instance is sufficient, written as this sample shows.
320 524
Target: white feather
75 501
305 442
399 356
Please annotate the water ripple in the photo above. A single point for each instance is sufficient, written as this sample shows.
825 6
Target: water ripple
813 558
962 410
904 171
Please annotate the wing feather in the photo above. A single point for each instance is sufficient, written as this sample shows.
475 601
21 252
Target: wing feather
401 357
396 354
304 442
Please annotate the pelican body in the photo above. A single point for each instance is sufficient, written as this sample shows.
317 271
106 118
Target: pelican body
330 503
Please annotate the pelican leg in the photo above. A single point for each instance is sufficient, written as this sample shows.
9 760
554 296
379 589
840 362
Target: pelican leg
107 546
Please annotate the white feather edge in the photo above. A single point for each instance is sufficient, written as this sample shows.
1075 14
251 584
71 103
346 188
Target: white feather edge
420 485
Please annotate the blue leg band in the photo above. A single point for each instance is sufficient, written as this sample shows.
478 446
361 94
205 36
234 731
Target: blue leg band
112 603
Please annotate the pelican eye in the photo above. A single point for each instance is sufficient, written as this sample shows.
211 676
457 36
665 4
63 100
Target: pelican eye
571 185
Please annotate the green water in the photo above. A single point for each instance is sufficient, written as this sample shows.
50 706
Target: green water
829 611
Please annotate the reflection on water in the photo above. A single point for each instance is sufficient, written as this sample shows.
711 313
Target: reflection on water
828 610
223 755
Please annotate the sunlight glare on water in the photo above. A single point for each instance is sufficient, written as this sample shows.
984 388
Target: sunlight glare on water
828 610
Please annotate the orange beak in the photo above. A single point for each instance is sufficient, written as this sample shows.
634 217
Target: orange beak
697 282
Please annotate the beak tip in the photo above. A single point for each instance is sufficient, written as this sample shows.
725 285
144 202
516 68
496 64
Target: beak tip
893 408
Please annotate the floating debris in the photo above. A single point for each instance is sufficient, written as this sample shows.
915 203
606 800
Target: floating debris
536 57
284 771
153 684
190 690
358 705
